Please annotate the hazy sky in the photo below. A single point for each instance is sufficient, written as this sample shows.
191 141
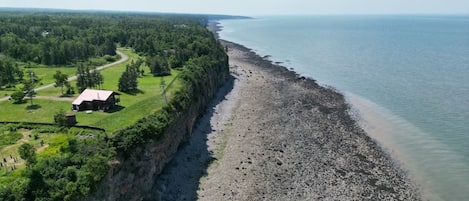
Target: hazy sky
257 7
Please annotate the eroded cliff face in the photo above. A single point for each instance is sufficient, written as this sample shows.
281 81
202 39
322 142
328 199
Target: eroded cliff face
131 178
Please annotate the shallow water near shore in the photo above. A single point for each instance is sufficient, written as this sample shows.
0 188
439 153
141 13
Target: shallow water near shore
421 154
406 76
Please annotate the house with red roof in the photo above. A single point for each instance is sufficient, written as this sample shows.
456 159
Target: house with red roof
92 99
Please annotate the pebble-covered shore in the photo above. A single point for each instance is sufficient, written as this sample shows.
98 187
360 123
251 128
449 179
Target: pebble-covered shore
273 135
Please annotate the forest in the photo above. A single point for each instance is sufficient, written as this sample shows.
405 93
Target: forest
70 38
76 165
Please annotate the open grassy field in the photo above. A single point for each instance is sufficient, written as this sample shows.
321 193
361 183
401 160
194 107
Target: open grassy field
42 111
131 107
46 73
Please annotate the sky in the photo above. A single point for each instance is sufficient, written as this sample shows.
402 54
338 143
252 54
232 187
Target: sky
256 7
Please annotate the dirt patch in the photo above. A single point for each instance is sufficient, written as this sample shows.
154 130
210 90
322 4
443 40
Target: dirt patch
55 98
41 149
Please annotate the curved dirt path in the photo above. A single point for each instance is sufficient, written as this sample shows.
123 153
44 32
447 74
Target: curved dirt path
123 59
55 98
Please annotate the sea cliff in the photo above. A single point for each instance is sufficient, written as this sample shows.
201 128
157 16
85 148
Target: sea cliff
145 148
276 135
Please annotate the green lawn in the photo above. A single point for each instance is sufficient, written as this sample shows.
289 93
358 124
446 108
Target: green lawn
46 73
131 108
42 110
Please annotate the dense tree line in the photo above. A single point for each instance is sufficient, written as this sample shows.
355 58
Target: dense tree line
167 42
57 39
54 39
158 65
10 73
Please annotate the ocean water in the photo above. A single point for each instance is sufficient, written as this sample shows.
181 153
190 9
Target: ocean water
407 78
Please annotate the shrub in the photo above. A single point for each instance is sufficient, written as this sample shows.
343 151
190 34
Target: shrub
28 153
109 58
18 97
10 138
60 119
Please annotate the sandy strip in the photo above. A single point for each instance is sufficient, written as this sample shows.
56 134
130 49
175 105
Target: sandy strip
271 135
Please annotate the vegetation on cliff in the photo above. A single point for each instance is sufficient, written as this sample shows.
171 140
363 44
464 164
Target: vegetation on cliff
70 162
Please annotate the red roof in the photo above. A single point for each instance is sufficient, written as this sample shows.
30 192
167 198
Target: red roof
91 95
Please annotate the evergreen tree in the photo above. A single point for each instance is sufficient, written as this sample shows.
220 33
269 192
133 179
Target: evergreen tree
81 78
163 87
123 84
158 65
97 79
29 85
89 78
109 47
128 81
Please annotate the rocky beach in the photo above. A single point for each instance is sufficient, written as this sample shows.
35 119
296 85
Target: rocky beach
271 134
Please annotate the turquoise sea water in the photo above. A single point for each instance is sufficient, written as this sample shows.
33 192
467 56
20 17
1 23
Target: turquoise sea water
406 76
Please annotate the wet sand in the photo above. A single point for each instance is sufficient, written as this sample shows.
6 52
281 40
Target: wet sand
272 135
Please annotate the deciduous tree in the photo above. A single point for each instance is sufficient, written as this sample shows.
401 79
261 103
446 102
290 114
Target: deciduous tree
28 153
29 85
17 96
61 80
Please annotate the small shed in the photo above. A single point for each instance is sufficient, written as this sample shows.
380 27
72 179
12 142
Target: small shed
91 99
70 119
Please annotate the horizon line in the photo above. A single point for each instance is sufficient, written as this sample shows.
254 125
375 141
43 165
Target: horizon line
237 15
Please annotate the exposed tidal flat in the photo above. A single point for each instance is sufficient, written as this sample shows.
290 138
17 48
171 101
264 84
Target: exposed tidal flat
274 135
405 76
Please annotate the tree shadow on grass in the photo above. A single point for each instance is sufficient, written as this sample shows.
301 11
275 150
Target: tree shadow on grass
33 107
66 95
134 92
19 102
116 108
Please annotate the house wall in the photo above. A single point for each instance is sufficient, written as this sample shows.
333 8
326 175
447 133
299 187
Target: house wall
96 104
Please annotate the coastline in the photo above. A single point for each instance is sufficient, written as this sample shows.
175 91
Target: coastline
272 135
